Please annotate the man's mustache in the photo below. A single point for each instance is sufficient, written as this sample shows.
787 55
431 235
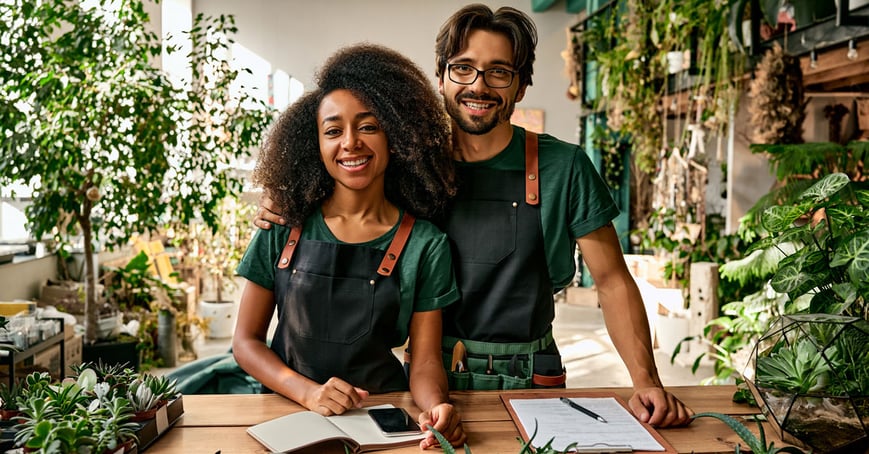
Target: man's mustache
471 97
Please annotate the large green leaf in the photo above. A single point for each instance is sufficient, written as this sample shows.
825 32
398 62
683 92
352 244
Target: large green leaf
788 277
846 291
826 187
781 218
855 250
862 196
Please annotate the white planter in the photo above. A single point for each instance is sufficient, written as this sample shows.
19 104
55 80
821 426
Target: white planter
221 317
669 331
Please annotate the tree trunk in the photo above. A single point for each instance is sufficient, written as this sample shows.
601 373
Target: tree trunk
218 284
91 308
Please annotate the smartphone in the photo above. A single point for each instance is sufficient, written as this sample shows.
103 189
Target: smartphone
394 422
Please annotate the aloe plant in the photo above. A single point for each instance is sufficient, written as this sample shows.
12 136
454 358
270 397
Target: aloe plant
756 444
525 448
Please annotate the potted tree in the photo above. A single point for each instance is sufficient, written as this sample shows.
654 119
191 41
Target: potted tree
219 251
110 145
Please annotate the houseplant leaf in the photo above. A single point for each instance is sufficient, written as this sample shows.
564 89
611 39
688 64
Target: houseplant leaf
780 218
862 197
789 276
855 250
826 187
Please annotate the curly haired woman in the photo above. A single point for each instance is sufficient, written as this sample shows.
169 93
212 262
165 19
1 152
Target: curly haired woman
354 273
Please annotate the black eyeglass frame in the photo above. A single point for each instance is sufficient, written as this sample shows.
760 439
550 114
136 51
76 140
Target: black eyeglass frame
483 72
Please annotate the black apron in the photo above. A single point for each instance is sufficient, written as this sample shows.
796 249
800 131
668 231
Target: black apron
507 307
338 306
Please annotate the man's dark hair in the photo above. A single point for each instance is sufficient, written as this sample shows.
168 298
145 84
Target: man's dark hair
512 23
419 176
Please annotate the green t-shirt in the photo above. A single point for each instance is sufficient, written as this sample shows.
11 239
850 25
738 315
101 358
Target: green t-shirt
425 272
574 200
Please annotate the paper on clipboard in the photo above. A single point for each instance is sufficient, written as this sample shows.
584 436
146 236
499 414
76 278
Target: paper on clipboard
563 425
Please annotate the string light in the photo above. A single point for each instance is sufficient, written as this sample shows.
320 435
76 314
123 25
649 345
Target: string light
852 50
813 59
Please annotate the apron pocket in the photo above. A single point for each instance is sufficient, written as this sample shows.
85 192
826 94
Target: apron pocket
492 236
343 316
485 382
515 382
459 381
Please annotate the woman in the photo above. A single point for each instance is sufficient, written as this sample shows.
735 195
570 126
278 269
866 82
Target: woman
354 273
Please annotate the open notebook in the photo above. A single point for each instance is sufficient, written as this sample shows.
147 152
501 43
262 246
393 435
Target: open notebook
555 420
305 429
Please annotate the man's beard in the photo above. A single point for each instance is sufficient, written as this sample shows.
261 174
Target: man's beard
478 125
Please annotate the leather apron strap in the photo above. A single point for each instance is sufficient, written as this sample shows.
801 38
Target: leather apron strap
290 247
532 183
397 245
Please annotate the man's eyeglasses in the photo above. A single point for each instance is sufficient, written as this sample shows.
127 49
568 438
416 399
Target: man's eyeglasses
463 74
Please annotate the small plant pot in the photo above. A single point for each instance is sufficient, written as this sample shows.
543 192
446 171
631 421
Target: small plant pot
124 448
145 415
7 415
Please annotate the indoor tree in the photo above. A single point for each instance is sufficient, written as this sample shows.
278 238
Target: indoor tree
108 144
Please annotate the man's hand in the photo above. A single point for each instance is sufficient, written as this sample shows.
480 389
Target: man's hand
446 420
334 397
267 214
659 408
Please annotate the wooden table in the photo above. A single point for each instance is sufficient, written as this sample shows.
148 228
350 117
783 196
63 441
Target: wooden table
217 423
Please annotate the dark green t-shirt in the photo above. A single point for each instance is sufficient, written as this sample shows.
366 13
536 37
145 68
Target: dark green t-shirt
574 200
425 269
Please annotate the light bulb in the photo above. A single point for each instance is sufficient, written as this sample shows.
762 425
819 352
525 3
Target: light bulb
852 50
813 59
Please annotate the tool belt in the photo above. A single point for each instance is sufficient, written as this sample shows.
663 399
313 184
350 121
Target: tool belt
495 365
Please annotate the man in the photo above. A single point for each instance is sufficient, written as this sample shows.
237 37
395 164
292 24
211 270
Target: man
523 200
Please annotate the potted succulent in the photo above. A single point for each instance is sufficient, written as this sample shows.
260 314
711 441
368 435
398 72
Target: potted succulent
9 406
93 411
810 375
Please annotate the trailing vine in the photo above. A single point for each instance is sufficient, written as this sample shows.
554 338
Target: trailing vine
612 151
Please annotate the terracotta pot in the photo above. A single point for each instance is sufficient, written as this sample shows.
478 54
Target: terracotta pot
140 416
7 415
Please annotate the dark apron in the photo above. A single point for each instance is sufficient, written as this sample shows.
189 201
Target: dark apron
505 315
338 307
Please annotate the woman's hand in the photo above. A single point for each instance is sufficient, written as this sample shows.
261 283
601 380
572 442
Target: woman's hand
446 420
334 397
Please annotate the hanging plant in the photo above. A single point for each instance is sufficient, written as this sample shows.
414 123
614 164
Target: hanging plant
778 106
630 43
612 151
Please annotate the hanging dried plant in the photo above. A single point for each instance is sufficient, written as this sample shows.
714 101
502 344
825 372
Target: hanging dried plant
777 102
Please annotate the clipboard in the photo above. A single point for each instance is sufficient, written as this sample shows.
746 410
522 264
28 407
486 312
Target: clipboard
507 398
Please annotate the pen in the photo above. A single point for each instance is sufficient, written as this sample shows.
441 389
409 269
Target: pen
582 409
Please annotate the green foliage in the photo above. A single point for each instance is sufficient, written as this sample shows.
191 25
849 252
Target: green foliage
666 234
629 44
813 253
91 412
757 445
613 150
815 354
110 146
525 448
798 370
9 394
